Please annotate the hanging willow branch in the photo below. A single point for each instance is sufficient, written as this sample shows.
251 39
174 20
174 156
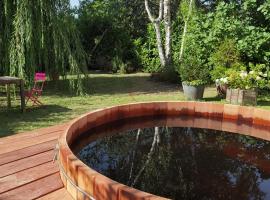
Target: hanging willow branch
40 36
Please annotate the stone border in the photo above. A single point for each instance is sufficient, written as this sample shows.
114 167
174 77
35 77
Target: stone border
100 187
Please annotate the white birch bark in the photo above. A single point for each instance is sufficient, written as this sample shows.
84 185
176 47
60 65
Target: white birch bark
168 30
149 156
133 155
163 54
185 30
159 44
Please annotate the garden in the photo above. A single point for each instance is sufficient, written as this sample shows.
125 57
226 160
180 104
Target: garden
134 99
118 52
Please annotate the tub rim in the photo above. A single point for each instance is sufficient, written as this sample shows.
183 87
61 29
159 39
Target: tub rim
82 181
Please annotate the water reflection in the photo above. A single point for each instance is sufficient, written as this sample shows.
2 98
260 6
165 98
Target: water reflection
184 162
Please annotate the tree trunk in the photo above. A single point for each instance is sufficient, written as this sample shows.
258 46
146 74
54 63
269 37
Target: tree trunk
164 51
156 140
159 45
168 31
133 155
185 30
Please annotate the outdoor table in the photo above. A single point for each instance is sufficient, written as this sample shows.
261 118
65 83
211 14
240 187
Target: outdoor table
8 80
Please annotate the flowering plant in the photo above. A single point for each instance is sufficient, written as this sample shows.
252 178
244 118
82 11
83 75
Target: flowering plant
255 77
222 81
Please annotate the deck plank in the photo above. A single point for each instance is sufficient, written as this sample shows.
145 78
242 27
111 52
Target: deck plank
26 176
61 194
5 148
31 134
27 152
26 168
26 163
35 189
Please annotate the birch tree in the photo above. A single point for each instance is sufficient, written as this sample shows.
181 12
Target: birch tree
156 142
164 50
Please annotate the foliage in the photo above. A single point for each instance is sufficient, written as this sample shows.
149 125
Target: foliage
226 56
40 37
253 76
147 51
265 10
150 58
196 82
222 81
119 66
192 69
218 72
242 25
108 29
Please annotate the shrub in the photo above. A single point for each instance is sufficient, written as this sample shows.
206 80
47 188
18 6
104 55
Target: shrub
226 56
251 77
118 65
192 69
147 51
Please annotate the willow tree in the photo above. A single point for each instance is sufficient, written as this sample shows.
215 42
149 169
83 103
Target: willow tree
1 36
40 36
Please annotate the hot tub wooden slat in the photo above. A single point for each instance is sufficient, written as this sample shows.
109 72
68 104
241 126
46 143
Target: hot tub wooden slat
34 189
26 152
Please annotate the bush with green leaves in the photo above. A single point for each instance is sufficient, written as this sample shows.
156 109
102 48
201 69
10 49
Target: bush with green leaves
148 52
192 69
103 26
225 56
251 77
242 25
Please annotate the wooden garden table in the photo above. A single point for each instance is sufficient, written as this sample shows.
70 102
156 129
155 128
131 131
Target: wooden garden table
8 80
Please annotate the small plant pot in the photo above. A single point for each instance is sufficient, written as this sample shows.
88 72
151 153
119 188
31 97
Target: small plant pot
193 92
242 97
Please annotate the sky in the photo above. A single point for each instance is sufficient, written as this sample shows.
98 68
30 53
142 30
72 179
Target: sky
74 3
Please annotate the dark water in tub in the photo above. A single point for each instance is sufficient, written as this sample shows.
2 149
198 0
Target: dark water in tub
178 160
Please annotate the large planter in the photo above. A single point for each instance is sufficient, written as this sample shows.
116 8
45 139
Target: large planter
193 92
241 97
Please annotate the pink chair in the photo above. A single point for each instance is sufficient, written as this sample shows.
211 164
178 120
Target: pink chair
37 90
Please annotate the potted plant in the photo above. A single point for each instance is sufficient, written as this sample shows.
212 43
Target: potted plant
244 84
226 56
194 90
194 75
221 86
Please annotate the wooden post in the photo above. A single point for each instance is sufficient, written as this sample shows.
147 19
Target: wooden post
22 95
8 96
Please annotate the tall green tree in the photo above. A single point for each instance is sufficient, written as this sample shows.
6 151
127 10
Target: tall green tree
108 28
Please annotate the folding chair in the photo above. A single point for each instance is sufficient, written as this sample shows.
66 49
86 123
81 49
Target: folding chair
36 91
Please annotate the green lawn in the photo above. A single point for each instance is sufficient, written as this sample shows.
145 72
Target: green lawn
103 90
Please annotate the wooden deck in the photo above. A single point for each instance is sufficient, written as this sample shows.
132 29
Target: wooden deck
26 167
